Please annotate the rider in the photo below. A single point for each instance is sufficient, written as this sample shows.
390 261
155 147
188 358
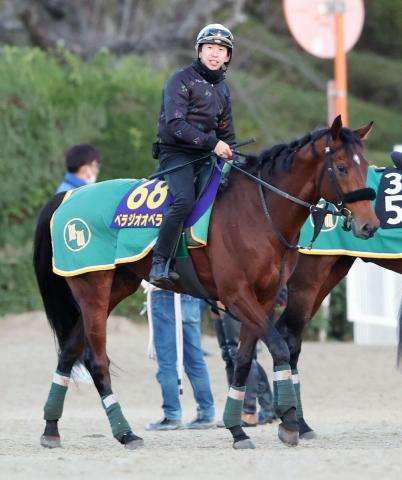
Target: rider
195 118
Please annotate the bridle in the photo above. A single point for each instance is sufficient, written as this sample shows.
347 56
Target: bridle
340 197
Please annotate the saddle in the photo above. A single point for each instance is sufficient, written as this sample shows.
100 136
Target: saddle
204 177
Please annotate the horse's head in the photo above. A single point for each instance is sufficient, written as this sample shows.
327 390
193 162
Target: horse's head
342 177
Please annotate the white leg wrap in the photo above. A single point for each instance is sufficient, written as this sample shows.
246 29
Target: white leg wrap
235 394
282 375
109 400
61 379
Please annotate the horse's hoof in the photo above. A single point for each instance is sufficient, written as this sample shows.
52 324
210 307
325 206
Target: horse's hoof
50 442
288 437
308 435
305 431
131 441
243 445
134 444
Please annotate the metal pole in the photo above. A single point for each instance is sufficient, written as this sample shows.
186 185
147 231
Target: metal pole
340 63
331 101
179 340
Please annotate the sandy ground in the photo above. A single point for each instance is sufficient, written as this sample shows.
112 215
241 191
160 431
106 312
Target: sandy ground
352 398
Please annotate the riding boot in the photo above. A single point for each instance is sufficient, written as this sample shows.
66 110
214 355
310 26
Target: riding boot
161 274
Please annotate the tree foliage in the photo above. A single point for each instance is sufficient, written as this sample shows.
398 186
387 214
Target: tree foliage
46 107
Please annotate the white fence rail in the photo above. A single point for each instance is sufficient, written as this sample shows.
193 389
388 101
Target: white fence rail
373 300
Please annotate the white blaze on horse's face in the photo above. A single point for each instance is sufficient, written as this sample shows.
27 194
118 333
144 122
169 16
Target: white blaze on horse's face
356 158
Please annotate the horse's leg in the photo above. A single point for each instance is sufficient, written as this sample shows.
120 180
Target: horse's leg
244 304
93 292
125 283
285 400
305 295
53 409
237 390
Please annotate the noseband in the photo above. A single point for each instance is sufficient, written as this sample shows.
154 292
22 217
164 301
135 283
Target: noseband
340 197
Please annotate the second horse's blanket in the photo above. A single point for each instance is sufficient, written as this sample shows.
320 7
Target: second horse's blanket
387 241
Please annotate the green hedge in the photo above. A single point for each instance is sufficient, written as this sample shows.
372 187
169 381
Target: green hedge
45 107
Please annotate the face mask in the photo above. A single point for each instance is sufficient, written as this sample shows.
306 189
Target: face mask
91 179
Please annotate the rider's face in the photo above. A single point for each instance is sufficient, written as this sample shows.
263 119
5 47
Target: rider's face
213 55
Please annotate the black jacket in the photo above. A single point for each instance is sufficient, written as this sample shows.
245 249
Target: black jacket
195 113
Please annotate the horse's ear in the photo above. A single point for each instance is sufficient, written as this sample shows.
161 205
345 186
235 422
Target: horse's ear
364 131
336 127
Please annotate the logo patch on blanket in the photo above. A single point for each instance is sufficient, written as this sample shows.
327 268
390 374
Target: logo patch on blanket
386 243
77 234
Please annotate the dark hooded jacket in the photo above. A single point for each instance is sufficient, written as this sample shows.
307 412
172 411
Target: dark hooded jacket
196 109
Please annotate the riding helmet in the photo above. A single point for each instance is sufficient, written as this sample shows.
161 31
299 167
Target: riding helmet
215 33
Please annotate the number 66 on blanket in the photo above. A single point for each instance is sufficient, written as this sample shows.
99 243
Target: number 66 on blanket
154 198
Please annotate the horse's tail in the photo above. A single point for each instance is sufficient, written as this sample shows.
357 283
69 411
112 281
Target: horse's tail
399 356
61 309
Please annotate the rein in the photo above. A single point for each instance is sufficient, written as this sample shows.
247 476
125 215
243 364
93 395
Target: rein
160 173
320 212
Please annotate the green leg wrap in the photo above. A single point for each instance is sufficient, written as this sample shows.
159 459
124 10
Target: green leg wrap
275 396
296 385
286 395
117 420
55 401
234 406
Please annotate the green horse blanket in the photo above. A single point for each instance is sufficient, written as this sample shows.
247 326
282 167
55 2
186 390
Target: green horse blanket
99 226
387 241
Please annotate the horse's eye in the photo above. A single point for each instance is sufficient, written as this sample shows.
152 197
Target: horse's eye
342 169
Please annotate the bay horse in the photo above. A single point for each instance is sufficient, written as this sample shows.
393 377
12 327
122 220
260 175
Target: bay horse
311 281
251 230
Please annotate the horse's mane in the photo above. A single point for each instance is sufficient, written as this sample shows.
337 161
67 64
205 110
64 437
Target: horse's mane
284 153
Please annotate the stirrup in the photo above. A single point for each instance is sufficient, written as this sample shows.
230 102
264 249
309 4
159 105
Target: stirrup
165 277
169 273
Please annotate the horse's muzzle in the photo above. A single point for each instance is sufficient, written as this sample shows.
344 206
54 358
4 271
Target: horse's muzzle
364 232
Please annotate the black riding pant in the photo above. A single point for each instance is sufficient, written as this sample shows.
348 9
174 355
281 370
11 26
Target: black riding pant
181 186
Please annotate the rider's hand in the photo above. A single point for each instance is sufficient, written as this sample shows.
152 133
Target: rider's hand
222 149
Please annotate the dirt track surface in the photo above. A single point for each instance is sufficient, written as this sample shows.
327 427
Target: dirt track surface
352 398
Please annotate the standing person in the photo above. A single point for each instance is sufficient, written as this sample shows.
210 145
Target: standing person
161 310
82 165
195 118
